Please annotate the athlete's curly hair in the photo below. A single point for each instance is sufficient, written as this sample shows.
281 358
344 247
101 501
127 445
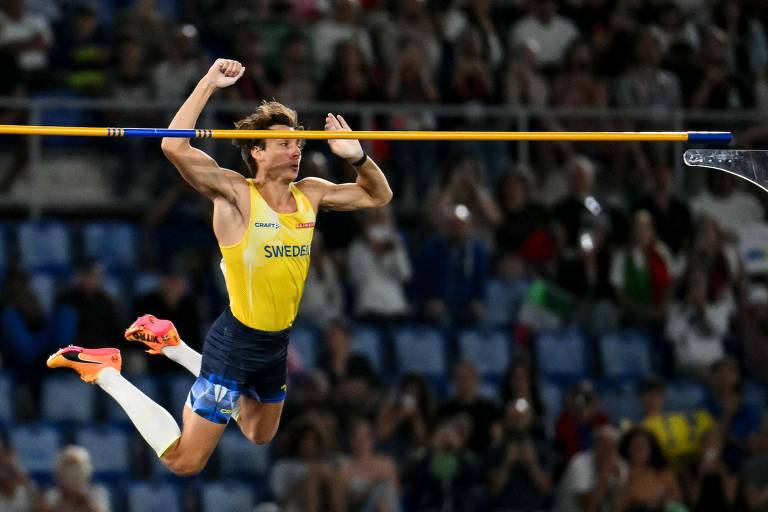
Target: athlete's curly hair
269 113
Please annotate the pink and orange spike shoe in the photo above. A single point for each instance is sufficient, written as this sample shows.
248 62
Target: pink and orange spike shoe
154 333
88 362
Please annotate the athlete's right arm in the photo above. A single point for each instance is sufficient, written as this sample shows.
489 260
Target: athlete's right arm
198 169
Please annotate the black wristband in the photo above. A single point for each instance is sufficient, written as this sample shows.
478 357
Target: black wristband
360 162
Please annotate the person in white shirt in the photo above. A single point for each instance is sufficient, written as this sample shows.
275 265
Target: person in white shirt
552 32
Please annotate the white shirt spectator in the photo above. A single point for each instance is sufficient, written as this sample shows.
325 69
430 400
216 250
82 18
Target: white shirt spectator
732 212
580 478
378 278
697 336
29 27
328 34
323 298
553 38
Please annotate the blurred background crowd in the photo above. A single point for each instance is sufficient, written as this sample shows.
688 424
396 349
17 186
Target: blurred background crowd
567 327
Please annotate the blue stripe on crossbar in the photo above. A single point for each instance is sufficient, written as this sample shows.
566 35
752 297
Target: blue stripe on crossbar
710 137
158 132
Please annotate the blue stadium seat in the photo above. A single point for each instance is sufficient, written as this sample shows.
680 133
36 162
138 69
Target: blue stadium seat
488 351
561 355
178 389
146 383
684 396
504 299
37 446
151 497
66 398
420 350
754 394
112 243
62 116
113 462
552 396
305 342
45 288
228 495
620 401
238 457
6 399
45 246
145 282
626 355
367 341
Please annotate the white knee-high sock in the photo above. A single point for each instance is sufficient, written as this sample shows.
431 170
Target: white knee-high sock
185 356
155 424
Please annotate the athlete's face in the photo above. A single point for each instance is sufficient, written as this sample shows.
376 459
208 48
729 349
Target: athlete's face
279 157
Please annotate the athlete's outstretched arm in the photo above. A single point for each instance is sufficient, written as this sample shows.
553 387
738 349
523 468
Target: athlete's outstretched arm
371 188
200 170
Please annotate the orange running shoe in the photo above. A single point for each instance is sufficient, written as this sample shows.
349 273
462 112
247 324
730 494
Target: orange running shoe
154 333
88 362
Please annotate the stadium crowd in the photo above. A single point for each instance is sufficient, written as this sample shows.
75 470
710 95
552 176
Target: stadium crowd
580 334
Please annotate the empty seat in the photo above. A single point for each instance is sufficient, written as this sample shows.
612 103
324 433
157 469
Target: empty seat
367 341
231 496
684 396
552 396
489 351
240 457
66 398
626 355
6 398
37 446
562 354
44 246
621 401
112 243
151 497
420 350
305 342
44 286
109 448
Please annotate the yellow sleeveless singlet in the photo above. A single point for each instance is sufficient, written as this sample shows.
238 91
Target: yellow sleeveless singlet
265 271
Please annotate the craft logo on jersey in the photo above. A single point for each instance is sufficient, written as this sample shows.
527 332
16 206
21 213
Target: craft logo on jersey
269 225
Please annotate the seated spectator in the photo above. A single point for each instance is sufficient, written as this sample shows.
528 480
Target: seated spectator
296 79
257 82
671 215
713 484
752 322
650 484
74 491
90 312
349 77
379 267
453 271
719 87
323 299
444 474
371 478
341 25
27 37
467 400
576 86
507 291
678 433
641 274
581 415
552 32
593 477
305 477
83 53
27 338
519 461
406 417
520 380
733 207
18 492
523 84
754 481
176 75
337 361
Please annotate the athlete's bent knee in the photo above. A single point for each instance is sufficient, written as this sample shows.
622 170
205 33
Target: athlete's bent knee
258 437
181 467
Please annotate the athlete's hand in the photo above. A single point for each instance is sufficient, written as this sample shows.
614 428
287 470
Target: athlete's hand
348 149
224 73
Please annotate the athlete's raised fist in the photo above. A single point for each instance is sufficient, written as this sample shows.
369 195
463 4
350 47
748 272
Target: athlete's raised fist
224 73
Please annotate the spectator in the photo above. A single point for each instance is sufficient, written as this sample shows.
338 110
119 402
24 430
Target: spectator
576 85
406 417
552 32
83 53
443 476
752 321
581 415
257 81
340 27
18 492
520 381
714 484
336 360
296 79
507 291
306 478
453 271
679 433
471 78
748 48
378 269
74 491
524 222
675 28
26 36
641 274
467 401
349 76
719 87
754 481
593 478
650 484
371 478
734 207
523 83
91 313
175 76
519 461
323 299
671 215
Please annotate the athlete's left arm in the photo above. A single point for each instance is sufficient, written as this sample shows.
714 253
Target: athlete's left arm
369 190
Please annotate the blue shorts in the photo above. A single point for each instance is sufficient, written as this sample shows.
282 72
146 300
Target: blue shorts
238 360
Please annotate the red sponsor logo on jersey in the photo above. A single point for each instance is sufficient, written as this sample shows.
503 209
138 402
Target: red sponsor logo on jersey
305 225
